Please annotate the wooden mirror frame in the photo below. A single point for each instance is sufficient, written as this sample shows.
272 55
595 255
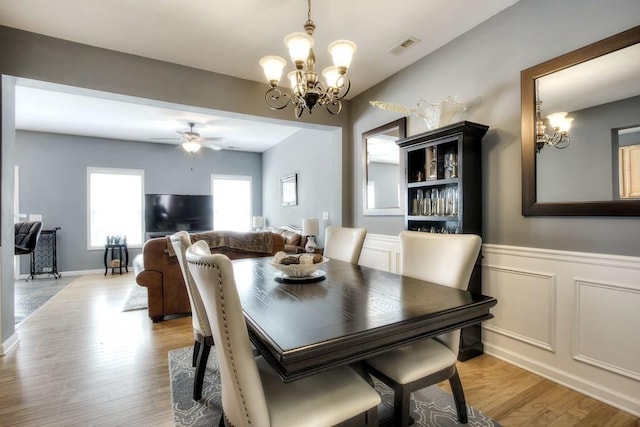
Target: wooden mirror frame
401 124
530 205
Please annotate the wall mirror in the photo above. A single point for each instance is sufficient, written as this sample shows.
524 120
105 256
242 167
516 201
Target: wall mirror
598 171
289 190
381 169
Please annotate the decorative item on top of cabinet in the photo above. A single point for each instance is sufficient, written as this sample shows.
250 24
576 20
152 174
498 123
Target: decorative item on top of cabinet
443 193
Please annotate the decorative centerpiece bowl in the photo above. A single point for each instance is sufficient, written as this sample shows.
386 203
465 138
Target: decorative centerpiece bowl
299 270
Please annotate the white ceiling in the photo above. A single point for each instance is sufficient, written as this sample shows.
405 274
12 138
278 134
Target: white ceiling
227 37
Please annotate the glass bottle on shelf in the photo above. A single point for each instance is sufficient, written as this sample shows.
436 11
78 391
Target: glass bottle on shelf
451 164
454 200
426 205
442 202
434 201
432 163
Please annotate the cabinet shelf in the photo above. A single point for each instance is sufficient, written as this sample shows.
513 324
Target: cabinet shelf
439 218
433 183
443 175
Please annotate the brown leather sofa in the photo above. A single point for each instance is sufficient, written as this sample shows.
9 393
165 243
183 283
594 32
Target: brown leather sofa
157 268
294 241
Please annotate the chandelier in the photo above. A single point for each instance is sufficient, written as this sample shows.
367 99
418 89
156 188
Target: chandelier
307 90
558 121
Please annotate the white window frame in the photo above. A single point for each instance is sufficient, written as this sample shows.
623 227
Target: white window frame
114 171
234 178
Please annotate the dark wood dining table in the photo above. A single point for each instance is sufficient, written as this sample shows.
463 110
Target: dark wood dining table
353 313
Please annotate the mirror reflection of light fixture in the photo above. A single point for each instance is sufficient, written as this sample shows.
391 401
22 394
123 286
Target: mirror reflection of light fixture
558 121
306 89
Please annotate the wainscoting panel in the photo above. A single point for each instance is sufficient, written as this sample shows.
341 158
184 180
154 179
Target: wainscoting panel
526 305
571 317
603 329
590 304
381 252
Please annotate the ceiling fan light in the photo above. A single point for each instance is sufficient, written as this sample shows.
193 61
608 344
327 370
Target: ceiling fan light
342 53
299 45
191 146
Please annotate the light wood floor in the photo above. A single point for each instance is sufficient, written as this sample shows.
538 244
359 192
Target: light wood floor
82 361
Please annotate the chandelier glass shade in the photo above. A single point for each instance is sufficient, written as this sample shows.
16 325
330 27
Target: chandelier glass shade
560 124
307 89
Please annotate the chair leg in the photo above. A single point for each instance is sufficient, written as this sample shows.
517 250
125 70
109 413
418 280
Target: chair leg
201 368
458 396
196 352
372 417
402 405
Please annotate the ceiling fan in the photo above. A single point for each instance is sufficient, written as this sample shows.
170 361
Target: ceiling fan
192 141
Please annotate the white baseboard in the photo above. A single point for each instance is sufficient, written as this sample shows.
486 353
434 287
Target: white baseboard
597 391
9 343
71 273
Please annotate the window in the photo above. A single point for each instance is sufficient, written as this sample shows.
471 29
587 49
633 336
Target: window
231 202
115 198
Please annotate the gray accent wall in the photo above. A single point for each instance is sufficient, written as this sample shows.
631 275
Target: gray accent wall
53 182
316 156
482 67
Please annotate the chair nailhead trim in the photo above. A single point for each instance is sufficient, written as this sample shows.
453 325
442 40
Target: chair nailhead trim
226 333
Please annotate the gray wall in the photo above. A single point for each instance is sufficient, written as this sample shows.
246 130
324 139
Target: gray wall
482 67
53 181
316 157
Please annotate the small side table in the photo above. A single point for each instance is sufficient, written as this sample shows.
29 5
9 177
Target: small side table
116 249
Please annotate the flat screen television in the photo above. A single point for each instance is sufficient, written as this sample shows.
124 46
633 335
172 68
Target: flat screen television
169 213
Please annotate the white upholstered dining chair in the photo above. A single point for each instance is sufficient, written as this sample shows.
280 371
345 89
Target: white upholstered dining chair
344 244
203 338
253 394
446 259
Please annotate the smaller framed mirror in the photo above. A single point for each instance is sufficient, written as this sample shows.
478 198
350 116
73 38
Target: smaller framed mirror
289 190
382 170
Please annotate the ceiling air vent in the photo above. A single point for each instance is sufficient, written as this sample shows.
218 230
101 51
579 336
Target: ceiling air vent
404 45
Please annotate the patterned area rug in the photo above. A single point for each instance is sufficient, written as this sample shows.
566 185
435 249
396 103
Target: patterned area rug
33 294
137 299
430 407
